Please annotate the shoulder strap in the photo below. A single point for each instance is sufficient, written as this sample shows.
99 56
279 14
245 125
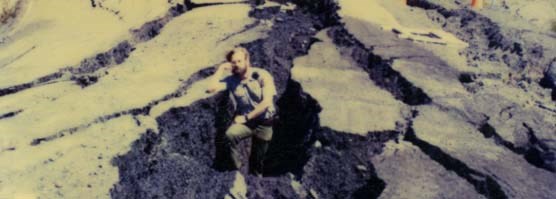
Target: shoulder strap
233 99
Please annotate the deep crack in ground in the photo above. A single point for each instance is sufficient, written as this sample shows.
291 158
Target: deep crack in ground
380 70
179 161
483 183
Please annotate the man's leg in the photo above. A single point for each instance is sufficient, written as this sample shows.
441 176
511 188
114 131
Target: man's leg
259 146
234 135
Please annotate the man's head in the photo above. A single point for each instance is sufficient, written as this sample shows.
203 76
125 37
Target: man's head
239 58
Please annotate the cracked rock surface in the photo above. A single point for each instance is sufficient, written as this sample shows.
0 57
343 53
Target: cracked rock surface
105 99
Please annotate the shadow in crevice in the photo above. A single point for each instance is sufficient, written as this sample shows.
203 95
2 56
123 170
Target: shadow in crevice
294 132
379 69
223 119
534 152
483 183
176 162
340 164
10 114
373 189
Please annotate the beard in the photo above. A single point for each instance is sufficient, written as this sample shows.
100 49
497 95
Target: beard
239 72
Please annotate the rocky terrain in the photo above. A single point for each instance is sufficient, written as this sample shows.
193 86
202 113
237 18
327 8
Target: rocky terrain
377 99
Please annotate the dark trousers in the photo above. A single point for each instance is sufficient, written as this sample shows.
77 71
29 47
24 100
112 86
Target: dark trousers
261 135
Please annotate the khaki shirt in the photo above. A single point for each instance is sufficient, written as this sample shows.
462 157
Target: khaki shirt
249 92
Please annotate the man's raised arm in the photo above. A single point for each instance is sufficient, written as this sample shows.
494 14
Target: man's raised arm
215 84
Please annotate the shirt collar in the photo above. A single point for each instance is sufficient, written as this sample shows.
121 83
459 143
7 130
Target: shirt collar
248 75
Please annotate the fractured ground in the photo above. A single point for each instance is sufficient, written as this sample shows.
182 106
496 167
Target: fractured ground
381 104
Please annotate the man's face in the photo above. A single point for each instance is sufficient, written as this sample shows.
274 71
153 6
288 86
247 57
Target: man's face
239 64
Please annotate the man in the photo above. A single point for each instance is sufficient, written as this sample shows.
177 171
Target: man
252 92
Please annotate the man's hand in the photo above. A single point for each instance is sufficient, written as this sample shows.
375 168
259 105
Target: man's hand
210 90
240 119
225 66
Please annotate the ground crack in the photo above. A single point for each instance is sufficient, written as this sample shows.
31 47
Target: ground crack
380 70
10 114
483 183
92 69
182 90
184 152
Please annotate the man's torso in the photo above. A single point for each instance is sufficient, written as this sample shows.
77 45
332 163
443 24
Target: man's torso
247 93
